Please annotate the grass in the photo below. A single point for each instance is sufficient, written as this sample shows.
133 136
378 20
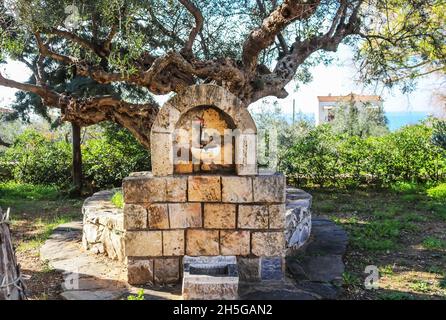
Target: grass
386 270
405 187
386 229
35 211
350 279
44 229
438 192
433 243
118 199
420 286
25 191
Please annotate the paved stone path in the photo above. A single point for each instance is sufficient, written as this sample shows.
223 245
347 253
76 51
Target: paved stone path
316 269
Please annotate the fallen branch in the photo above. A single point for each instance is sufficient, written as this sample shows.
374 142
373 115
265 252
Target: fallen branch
11 283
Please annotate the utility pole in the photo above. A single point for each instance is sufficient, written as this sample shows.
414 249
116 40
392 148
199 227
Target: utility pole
294 110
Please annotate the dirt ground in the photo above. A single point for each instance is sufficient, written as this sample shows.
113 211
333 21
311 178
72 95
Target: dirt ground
403 235
32 221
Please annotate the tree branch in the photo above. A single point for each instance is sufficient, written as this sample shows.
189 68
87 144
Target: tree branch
50 97
281 17
274 83
187 49
99 50
45 51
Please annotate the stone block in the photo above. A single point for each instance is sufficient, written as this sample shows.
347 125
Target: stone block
269 188
201 242
161 153
236 189
176 189
113 243
173 243
253 217
219 215
158 216
271 268
276 216
235 243
92 232
249 269
204 188
210 278
185 215
167 270
139 271
268 244
135 217
143 243
145 188
166 119
245 153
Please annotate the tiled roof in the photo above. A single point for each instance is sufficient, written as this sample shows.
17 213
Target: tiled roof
4 110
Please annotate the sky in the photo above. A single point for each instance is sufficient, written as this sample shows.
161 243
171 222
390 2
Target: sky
336 79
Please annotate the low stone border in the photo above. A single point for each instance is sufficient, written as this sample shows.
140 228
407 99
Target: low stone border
103 226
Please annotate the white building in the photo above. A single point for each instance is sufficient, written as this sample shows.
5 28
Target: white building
327 104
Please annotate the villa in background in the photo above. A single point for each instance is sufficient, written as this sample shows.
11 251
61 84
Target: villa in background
5 111
327 104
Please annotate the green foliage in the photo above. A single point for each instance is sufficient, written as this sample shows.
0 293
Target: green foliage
401 159
13 191
349 279
438 192
433 243
113 157
361 120
34 158
404 187
118 199
139 296
439 134
38 159
420 286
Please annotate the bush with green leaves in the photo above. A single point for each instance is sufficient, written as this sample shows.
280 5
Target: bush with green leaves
37 159
323 157
438 192
439 133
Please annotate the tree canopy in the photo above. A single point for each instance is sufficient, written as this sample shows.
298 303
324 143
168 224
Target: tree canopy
252 48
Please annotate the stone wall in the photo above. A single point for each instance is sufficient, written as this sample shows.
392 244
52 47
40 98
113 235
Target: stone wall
298 218
168 217
103 225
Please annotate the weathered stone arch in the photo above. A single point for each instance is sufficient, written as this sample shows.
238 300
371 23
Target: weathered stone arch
193 97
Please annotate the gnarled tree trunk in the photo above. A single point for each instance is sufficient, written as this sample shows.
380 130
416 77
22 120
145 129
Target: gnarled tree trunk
11 284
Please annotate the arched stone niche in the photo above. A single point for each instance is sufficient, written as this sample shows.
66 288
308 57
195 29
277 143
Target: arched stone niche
185 135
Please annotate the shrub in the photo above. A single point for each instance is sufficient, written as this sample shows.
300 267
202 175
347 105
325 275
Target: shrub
118 200
404 187
34 158
111 158
438 192
402 159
